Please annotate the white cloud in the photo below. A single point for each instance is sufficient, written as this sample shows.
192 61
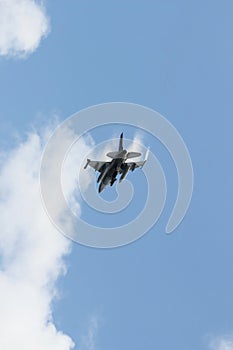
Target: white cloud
88 342
92 333
222 343
23 23
73 171
31 252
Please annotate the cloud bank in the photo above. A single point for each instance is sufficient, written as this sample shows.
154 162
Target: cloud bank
31 250
31 255
23 23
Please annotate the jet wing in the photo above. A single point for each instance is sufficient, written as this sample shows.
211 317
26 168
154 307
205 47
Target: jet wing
97 165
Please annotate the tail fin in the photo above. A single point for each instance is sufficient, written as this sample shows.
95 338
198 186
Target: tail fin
120 149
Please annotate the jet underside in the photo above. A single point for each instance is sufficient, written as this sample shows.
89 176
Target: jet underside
108 171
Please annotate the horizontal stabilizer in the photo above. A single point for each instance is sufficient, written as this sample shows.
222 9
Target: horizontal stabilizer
113 155
133 155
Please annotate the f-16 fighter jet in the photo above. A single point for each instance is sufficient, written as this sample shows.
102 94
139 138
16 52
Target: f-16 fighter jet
109 170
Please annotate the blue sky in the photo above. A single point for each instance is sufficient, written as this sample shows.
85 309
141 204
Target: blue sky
163 292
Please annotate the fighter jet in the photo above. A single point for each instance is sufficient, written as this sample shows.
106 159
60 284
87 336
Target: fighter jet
118 165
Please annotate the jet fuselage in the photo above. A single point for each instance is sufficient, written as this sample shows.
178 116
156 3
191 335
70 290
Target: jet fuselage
109 173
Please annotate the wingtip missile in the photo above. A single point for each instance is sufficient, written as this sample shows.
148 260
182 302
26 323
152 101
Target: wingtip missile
146 157
147 153
86 165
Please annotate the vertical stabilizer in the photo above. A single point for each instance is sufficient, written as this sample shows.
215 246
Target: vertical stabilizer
121 143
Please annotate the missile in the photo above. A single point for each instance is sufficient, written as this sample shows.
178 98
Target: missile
124 173
88 161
